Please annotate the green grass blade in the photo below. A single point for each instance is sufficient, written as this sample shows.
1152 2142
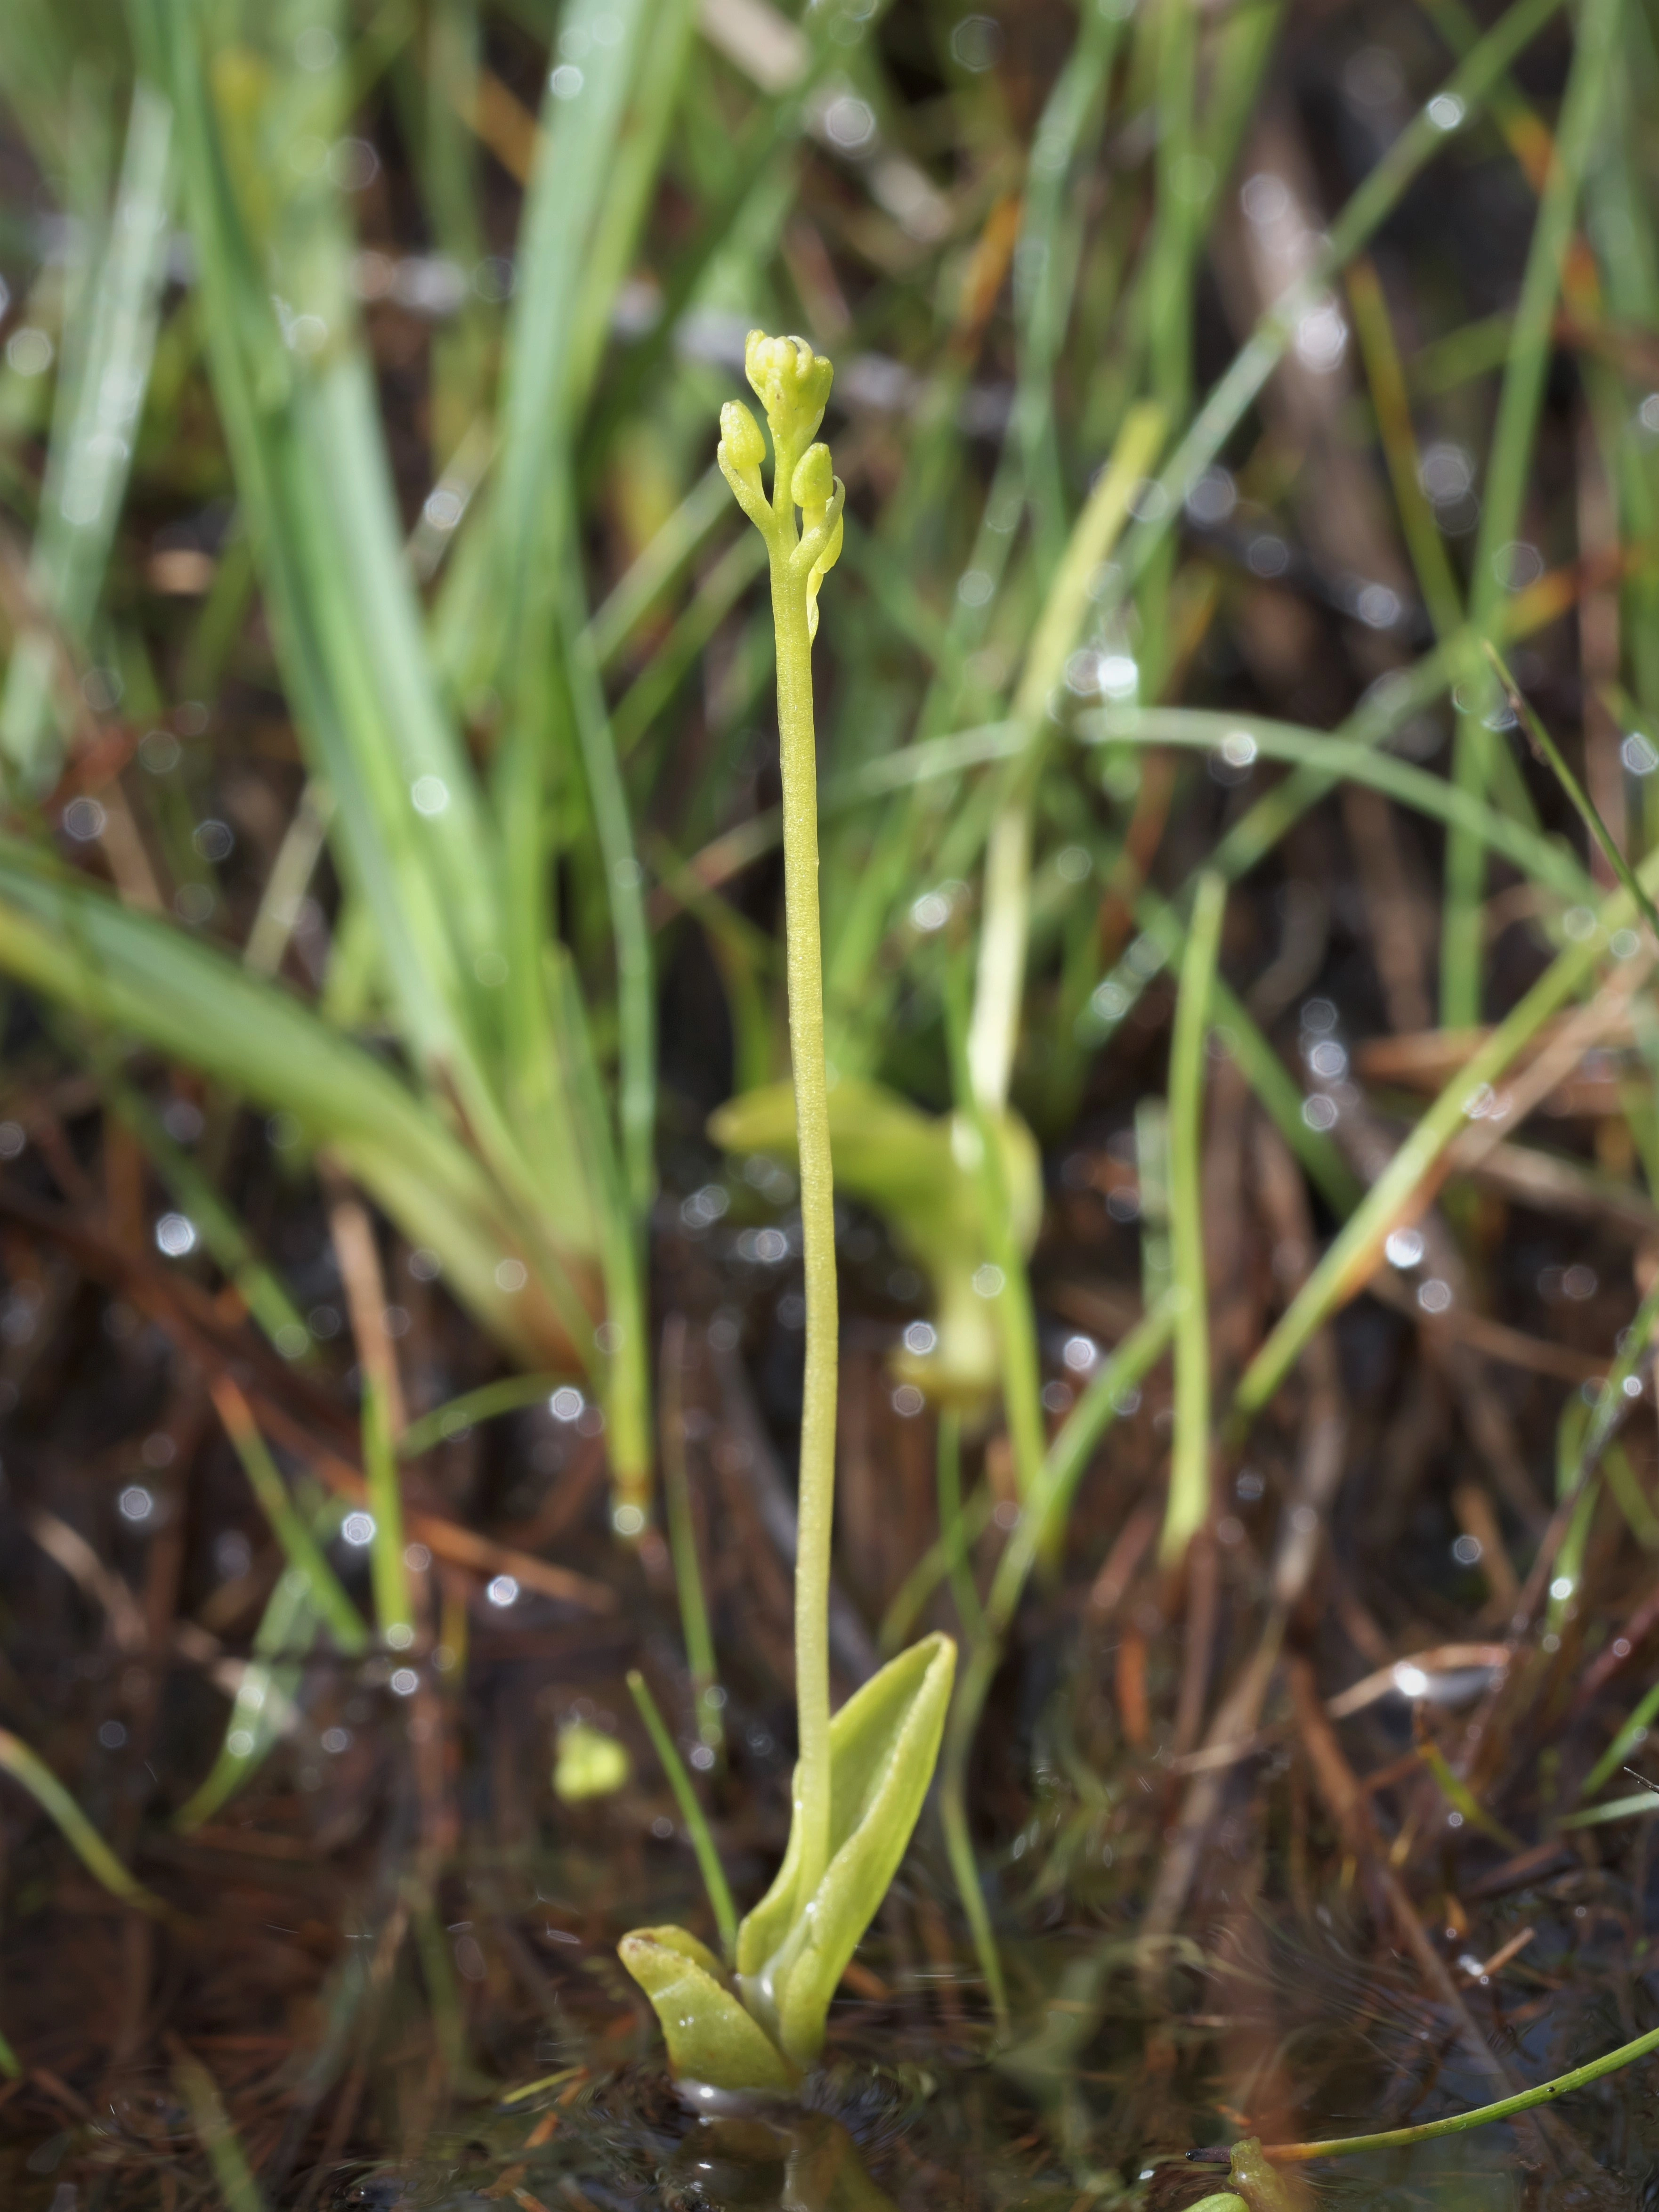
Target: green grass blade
1405 160
26 1767
222 1234
1545 860
697 1826
239 2189
457 1414
1189 1460
142 978
99 410
264 1701
1531 339
1348 1265
1457 2123
1547 750
304 1554
394 1611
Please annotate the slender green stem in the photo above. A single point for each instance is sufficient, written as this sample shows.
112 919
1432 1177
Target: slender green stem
697 1826
1189 1476
682 1550
1549 751
457 1414
953 1531
217 2136
1349 1263
804 969
793 385
1062 1469
1418 144
1022 1380
387 1574
287 1524
935 1565
26 1766
1513 432
1505 2108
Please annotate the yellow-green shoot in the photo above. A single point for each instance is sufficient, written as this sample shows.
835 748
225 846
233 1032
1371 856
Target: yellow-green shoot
861 1776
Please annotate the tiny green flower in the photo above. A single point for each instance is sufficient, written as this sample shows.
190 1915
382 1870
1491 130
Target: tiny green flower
792 383
741 450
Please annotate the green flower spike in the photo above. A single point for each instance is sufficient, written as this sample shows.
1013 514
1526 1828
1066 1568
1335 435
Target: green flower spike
861 1776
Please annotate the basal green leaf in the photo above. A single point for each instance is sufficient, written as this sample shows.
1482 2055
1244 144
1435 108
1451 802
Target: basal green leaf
792 1950
710 2037
922 1173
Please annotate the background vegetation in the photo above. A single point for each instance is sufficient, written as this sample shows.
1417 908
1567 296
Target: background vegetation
400 1336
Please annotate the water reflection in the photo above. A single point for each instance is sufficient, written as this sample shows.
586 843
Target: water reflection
795 2162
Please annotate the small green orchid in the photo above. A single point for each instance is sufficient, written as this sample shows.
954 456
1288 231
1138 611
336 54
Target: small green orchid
861 1776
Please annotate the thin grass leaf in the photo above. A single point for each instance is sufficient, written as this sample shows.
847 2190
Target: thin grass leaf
455 1415
1546 860
389 1575
140 977
694 1623
1474 764
697 1826
222 1234
1225 408
1505 2108
217 2136
1189 1460
1347 1263
1067 1456
262 1708
299 1545
25 1766
94 430
1546 749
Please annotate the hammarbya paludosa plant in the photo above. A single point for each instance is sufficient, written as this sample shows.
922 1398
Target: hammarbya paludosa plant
861 1776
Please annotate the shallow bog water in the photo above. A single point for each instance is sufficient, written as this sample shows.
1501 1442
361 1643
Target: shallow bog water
1117 2064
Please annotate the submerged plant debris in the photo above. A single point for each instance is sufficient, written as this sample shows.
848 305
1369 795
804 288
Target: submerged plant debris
1238 712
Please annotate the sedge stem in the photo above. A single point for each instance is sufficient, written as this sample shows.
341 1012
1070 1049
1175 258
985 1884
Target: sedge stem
1523 2101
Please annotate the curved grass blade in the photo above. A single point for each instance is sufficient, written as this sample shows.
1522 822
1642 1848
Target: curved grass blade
697 1826
99 402
1545 747
218 2137
1526 2100
264 1704
455 1415
30 1770
1190 1460
140 976
304 1554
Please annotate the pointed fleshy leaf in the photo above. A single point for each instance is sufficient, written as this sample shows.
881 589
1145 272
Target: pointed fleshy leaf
793 1949
922 1172
711 2037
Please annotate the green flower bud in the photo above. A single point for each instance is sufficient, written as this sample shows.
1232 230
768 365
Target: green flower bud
814 479
792 383
741 435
